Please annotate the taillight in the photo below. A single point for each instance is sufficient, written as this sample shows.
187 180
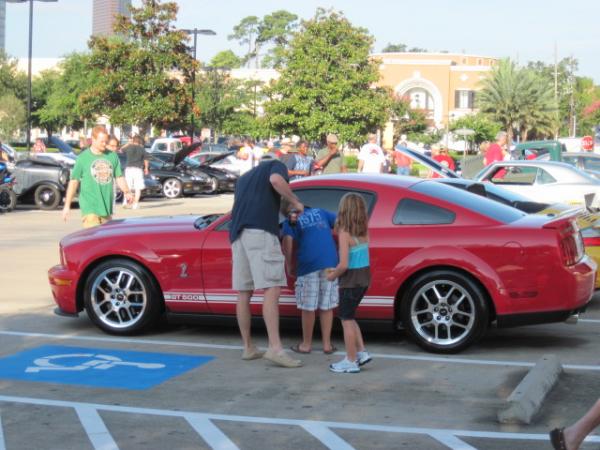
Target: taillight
571 244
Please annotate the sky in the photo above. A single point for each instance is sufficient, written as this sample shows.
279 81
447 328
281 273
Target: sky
523 30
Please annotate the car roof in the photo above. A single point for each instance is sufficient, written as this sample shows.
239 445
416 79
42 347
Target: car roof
556 169
586 154
360 179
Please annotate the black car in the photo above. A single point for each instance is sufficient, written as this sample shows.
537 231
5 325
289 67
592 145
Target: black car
42 182
178 180
220 180
152 188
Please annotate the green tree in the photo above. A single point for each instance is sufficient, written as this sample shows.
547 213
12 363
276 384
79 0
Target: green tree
393 48
516 98
12 115
276 29
219 97
143 71
246 33
42 87
227 59
11 80
327 84
485 128
73 98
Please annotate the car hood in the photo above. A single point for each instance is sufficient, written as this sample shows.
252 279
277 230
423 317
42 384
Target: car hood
185 151
427 162
132 226
214 158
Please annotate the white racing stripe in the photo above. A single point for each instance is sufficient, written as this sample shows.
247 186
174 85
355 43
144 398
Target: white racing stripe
316 426
400 357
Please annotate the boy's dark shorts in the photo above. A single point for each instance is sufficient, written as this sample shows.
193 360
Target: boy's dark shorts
349 300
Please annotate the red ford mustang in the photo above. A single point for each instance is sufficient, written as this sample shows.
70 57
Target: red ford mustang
446 263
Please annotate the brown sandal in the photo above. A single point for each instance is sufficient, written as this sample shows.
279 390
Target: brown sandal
557 439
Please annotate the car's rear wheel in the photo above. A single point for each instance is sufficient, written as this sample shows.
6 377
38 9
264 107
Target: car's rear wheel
444 311
121 297
172 188
47 196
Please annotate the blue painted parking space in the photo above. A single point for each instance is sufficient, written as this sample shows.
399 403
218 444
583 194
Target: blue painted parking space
97 367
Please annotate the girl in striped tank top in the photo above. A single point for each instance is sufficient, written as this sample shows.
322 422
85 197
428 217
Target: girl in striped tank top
354 274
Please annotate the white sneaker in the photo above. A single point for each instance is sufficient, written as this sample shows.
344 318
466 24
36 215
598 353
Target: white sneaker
363 358
135 206
345 366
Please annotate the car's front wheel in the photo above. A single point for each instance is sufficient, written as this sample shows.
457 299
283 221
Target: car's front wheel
172 188
444 311
121 297
47 196
8 199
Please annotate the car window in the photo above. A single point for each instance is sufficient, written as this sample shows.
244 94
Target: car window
592 164
177 145
329 198
543 177
476 203
161 147
414 212
514 175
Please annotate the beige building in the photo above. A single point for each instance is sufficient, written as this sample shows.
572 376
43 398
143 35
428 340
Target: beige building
445 85
104 13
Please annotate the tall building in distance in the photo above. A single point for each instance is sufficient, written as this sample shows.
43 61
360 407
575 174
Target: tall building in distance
2 25
104 13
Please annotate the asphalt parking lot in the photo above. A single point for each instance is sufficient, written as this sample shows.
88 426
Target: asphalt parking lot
112 396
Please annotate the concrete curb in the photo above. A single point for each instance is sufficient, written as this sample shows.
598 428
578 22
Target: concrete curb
527 398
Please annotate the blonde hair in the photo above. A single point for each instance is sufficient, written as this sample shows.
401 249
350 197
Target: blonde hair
352 215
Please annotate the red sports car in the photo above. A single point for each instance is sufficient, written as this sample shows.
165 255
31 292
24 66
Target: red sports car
446 263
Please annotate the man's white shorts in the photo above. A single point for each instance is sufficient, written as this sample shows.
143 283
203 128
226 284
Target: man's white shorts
135 178
258 262
314 291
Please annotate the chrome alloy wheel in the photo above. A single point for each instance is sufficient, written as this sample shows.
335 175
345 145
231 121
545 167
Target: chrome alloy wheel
443 312
172 188
119 298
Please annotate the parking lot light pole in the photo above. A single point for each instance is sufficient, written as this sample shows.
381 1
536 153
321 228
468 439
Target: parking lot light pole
195 32
29 64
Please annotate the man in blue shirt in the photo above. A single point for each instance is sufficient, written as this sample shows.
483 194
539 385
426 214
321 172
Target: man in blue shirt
258 262
316 252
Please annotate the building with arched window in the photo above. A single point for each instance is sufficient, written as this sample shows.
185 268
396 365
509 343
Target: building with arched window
443 85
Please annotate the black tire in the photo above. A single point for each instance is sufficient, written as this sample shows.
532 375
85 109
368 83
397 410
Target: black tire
121 297
8 199
172 188
47 197
446 319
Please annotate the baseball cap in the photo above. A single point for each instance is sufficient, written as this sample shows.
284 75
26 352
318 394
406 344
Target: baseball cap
332 138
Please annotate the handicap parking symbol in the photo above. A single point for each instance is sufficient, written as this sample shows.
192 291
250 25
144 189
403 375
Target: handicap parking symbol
97 367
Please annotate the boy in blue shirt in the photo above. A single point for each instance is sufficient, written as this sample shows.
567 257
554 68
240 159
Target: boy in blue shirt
316 251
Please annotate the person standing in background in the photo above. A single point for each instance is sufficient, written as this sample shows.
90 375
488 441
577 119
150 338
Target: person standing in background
331 158
371 158
135 168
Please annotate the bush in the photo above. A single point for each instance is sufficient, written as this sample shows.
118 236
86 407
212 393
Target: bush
351 162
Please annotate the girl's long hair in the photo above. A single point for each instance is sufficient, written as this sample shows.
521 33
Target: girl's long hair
352 215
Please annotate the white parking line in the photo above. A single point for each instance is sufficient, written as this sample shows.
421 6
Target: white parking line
211 434
95 428
2 443
400 357
589 320
444 435
327 437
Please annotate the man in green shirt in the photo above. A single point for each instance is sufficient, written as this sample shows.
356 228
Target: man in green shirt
96 169
331 159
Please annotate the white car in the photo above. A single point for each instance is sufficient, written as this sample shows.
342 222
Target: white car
171 145
544 181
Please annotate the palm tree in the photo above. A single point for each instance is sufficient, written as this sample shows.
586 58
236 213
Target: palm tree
517 98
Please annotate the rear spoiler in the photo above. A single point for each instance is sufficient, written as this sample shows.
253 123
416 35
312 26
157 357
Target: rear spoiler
568 218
